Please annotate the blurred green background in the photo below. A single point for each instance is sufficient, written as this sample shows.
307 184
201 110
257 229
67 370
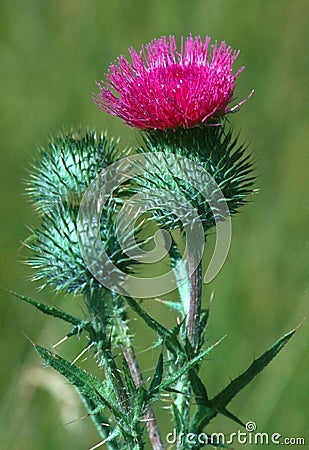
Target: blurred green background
51 53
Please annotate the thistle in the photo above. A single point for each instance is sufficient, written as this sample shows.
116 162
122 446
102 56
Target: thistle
165 87
95 202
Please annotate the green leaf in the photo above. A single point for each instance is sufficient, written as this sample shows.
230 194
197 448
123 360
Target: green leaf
168 337
129 382
115 433
183 370
202 327
176 329
157 378
205 413
88 386
198 388
226 395
56 312
85 383
231 416
100 421
178 421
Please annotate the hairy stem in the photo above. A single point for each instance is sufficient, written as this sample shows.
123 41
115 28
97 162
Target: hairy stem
194 313
151 423
99 320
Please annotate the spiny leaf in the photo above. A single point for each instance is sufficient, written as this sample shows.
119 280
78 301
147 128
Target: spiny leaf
183 369
231 416
115 433
56 312
88 386
226 395
177 328
205 413
202 327
198 388
157 378
85 383
100 421
170 340
129 382
178 421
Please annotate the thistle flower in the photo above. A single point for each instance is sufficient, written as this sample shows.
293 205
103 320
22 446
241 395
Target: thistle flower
165 87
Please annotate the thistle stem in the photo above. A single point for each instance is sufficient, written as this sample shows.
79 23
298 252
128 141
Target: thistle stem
97 314
194 313
151 422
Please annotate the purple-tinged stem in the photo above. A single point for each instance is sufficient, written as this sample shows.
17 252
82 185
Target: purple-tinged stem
151 422
194 314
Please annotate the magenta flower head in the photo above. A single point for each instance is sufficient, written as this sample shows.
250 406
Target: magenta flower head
165 87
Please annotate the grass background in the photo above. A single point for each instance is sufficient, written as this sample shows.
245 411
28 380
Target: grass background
51 53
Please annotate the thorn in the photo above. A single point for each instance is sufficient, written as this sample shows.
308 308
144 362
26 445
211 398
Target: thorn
99 444
300 324
211 298
28 338
219 341
149 348
60 342
150 369
9 291
160 300
81 354
235 108
147 420
78 418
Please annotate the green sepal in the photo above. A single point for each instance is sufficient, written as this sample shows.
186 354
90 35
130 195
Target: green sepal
66 167
216 151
